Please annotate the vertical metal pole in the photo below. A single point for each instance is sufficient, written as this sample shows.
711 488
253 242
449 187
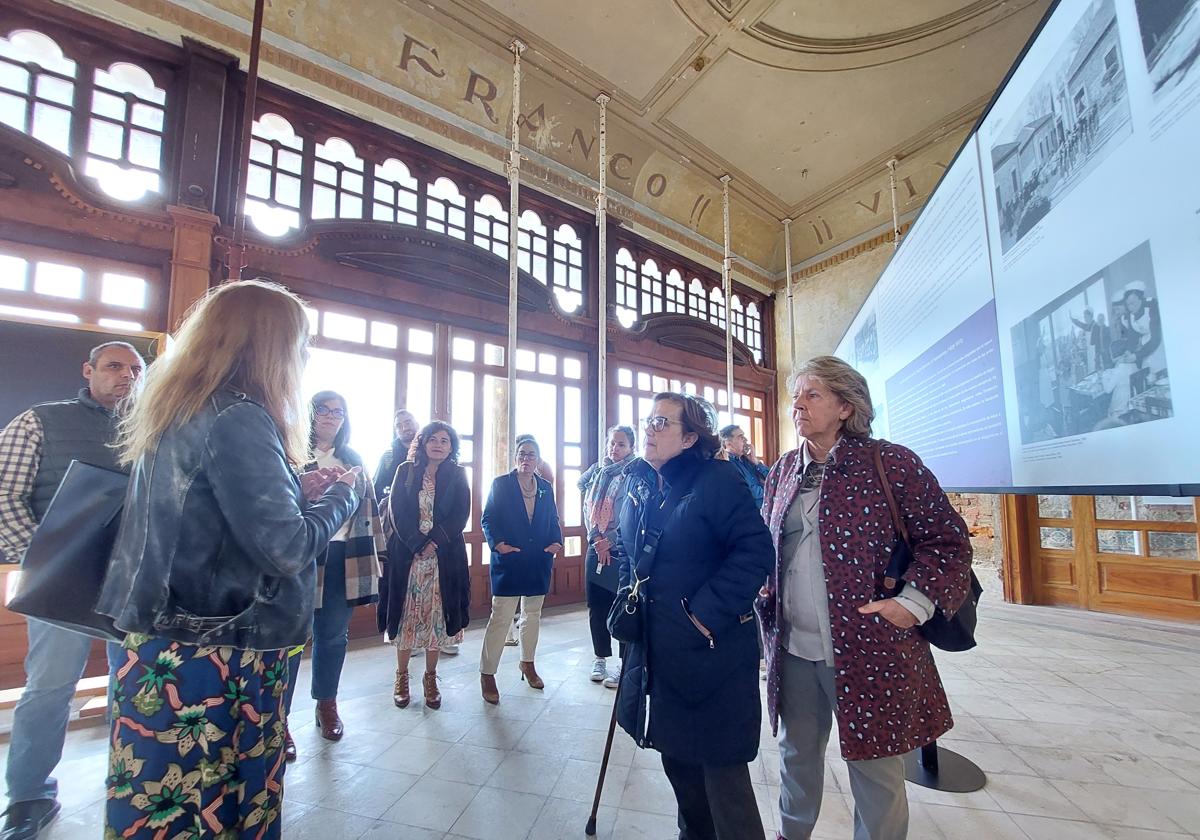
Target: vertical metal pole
237 248
727 282
602 279
891 165
514 189
791 319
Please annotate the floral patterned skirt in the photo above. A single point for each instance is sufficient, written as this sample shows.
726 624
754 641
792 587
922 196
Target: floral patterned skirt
195 749
424 623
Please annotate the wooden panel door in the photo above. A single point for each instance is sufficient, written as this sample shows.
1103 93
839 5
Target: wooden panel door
1136 555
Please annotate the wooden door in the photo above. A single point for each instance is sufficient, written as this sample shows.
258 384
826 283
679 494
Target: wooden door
1136 555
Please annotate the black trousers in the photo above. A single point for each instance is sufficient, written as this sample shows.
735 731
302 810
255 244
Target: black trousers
715 803
599 601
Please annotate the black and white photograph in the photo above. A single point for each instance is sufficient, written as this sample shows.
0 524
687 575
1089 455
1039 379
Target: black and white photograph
1170 32
1094 358
1072 117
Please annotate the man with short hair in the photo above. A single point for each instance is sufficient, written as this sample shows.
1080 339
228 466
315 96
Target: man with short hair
35 450
740 453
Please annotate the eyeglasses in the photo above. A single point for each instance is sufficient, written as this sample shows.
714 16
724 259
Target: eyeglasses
526 456
658 423
324 410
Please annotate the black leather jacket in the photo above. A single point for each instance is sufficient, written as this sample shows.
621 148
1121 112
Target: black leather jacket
217 545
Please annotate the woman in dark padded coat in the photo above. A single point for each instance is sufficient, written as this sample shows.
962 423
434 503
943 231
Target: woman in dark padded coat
691 689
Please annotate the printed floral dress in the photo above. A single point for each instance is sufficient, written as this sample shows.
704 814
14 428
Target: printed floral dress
195 747
424 624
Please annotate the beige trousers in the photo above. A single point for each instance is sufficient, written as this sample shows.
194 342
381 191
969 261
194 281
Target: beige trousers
503 609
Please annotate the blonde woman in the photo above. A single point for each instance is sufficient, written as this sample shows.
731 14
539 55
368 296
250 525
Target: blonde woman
214 572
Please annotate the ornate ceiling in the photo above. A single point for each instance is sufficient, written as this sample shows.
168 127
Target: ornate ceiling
801 102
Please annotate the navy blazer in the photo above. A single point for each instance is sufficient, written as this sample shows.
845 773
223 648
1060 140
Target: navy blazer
527 571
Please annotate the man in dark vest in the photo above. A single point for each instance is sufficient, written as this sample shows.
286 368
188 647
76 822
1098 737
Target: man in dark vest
35 449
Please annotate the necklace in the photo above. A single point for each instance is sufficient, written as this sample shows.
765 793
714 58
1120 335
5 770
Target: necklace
531 492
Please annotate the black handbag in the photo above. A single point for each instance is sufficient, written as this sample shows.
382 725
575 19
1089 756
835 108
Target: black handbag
956 633
67 559
626 617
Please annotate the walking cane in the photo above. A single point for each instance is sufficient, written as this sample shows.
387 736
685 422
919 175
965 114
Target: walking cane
590 829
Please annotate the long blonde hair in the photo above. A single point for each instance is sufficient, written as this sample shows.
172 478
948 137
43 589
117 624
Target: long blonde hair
249 335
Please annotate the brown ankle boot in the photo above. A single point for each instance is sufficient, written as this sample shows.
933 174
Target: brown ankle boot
289 747
529 673
328 721
433 697
400 694
487 682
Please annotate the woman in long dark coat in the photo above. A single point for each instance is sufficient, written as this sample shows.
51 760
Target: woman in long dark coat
425 593
520 524
690 689
837 647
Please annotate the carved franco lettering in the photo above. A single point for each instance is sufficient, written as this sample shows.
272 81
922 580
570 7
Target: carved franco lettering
482 89
912 191
873 207
613 166
656 184
698 208
585 146
407 56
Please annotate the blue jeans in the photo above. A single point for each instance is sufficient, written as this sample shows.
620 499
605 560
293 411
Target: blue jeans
54 664
330 631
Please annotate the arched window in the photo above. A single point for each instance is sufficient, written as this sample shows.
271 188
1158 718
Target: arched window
568 268
697 300
445 209
738 314
337 181
491 226
716 308
37 88
395 193
754 330
676 293
273 185
627 288
533 245
125 132
652 288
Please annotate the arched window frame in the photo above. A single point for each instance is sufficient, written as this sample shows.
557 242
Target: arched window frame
274 184
396 193
446 208
338 187
491 225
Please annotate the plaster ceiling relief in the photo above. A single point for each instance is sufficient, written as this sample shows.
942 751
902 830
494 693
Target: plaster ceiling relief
797 133
632 44
867 21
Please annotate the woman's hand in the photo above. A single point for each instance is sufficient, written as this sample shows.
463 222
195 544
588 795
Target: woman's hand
553 548
504 548
603 551
892 611
314 483
350 476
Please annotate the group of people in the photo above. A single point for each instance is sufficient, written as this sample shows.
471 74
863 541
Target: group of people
250 526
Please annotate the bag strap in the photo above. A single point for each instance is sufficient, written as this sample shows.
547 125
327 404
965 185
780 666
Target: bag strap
641 569
891 576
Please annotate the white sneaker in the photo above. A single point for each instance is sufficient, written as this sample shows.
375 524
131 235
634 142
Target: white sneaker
599 670
449 649
611 680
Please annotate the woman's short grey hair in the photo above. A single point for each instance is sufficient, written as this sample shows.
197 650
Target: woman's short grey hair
847 384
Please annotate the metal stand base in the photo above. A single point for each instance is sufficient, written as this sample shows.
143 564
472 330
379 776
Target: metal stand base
940 769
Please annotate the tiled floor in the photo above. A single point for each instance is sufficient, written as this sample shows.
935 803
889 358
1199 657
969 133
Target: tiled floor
1088 727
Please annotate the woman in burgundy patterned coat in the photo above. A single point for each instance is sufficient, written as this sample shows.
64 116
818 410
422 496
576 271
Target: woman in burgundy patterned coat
836 647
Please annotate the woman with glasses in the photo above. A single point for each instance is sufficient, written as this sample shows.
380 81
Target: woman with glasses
603 497
693 539
520 524
347 571
426 588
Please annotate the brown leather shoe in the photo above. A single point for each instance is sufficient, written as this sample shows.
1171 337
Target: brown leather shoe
328 721
433 697
531 675
289 747
400 694
491 693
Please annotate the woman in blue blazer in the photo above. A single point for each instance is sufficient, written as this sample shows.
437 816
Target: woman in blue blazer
520 524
